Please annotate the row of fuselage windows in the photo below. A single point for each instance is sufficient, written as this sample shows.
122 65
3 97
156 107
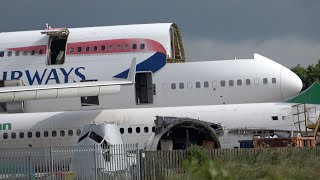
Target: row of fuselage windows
63 133
223 83
137 130
79 49
39 134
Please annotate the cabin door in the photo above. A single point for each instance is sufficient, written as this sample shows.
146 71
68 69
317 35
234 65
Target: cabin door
143 86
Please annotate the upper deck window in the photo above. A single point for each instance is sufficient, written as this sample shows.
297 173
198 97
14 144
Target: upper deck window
274 80
17 53
142 46
79 49
71 50
110 47
103 48
126 46
87 49
33 52
134 46
118 47
95 48
9 53
1 54
40 51
239 82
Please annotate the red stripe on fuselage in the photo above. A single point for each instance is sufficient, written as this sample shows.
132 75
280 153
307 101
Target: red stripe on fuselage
149 45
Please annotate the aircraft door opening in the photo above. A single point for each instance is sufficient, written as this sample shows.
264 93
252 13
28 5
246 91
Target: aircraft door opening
57 44
144 88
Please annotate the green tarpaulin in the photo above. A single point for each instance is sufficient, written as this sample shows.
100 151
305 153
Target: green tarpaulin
308 96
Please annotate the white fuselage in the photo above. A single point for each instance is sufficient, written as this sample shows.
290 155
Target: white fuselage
242 117
25 56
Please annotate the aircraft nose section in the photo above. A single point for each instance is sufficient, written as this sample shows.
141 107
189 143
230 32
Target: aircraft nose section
291 84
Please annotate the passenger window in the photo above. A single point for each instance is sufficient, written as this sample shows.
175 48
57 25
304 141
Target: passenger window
265 81
110 47
1 54
222 83
173 85
17 53
214 84
9 53
130 130
13 135
146 129
239 82
87 49
62 133
118 47
248 82
134 46
37 134
71 50
95 48
45 133
256 81
79 49
25 53
40 51
231 83
181 85
274 118
142 46
70 132
121 130
103 48
274 80
33 52
54 133
5 135
153 129
206 84
126 46
198 84
21 135
29 134
78 132
137 129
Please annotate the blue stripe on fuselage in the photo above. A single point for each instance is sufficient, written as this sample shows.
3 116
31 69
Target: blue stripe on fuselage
153 64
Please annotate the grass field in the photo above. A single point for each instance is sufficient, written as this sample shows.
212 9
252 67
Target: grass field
271 165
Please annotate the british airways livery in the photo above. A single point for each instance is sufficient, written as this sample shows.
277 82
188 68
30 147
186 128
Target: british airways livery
55 81
163 77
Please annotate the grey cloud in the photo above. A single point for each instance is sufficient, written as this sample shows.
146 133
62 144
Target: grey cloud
288 51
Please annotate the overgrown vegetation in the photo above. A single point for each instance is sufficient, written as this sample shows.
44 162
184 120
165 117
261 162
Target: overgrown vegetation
264 165
309 74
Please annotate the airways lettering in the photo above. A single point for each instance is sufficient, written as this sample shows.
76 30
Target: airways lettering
45 76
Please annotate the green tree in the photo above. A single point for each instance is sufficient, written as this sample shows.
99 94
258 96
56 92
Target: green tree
308 75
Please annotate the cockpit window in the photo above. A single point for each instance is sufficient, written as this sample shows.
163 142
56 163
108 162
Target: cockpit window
95 137
82 137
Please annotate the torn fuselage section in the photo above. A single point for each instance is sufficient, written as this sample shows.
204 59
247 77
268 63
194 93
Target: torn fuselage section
174 133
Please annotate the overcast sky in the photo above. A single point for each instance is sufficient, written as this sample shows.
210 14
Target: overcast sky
287 31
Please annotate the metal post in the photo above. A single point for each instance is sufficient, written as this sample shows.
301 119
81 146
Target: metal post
51 163
95 162
138 161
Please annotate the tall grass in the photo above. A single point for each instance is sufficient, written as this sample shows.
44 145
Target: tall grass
264 165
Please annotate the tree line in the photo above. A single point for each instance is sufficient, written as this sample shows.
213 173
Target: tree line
308 74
